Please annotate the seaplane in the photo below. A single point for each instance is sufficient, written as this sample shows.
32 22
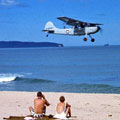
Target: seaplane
79 28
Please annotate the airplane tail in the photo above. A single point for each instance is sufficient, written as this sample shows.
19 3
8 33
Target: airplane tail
49 26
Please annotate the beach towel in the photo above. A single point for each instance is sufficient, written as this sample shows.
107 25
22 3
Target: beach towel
28 118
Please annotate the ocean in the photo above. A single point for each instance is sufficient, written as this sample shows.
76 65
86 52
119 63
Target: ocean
87 69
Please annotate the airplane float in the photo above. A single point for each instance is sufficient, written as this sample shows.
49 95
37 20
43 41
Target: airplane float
79 28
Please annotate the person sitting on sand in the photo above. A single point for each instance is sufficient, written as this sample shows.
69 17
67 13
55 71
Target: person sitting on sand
40 104
63 109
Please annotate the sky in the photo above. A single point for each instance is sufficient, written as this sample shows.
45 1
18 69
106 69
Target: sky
24 20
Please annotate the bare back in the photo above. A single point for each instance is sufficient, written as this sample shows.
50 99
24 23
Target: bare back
39 104
60 107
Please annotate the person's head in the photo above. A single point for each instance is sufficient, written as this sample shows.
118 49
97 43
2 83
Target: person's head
39 94
62 99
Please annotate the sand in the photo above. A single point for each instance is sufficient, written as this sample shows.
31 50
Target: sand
84 106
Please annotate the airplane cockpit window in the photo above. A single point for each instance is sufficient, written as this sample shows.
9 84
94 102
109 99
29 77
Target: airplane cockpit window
83 25
76 26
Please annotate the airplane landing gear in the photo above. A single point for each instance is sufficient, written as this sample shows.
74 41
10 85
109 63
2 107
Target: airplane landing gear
85 39
92 40
47 35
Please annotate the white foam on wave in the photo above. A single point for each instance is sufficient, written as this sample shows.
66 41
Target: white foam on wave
8 77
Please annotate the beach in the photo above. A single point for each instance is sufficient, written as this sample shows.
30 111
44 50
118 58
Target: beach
84 106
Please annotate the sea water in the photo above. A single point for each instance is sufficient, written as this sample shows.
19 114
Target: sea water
90 69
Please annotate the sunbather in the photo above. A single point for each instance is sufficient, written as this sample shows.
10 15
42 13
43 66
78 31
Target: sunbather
40 104
63 109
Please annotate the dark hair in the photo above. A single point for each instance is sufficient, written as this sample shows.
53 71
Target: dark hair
39 94
62 99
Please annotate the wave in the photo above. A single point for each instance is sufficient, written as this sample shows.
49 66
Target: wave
21 78
32 80
91 88
8 77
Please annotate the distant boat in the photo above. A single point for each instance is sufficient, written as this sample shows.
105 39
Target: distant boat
106 45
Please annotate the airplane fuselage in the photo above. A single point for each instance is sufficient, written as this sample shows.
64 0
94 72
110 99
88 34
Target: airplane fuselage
74 31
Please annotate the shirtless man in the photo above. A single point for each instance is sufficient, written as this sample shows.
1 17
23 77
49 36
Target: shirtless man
63 110
40 104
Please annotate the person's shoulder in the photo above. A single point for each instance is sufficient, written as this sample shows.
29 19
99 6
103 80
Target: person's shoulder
60 104
35 99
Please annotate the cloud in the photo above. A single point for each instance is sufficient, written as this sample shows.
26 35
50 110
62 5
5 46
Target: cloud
8 2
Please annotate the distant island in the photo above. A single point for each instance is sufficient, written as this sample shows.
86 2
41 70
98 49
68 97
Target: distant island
106 45
19 44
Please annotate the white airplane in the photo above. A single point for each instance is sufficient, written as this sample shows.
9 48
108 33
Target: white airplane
78 28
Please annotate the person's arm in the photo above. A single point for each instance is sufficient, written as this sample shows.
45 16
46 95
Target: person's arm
46 102
43 96
34 103
68 105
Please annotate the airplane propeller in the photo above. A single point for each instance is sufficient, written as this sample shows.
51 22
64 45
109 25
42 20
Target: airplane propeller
100 29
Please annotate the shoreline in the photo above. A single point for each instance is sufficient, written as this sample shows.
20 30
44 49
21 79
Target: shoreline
85 106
